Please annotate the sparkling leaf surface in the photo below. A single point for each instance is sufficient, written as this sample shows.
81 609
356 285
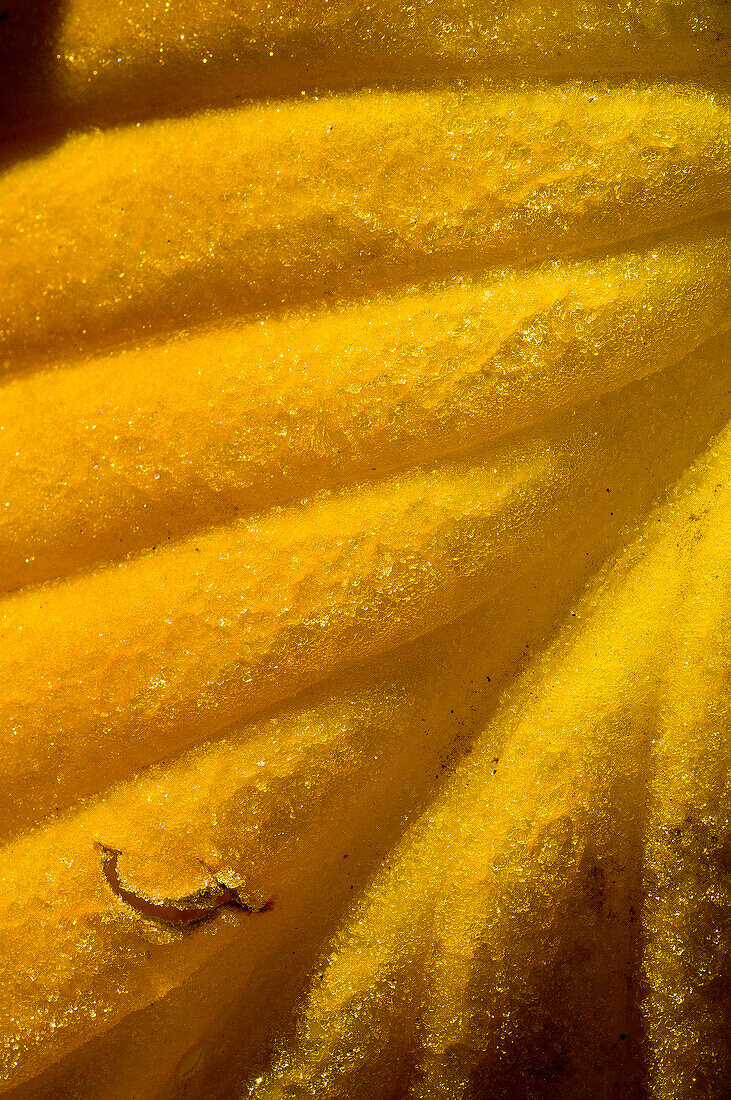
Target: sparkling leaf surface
364 550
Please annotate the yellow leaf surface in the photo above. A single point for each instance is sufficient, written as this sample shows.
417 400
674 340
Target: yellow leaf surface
364 586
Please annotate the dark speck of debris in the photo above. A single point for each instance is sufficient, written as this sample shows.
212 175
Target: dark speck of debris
186 911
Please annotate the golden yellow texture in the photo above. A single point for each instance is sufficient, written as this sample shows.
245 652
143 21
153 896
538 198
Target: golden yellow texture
90 61
365 499
508 907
